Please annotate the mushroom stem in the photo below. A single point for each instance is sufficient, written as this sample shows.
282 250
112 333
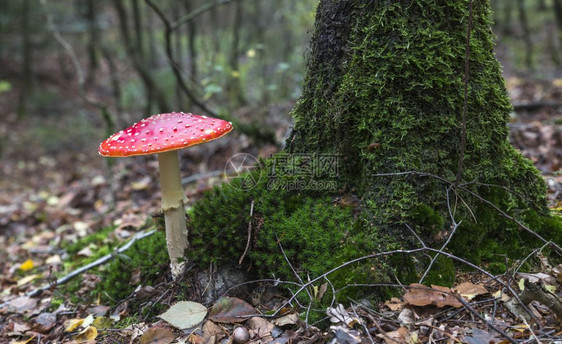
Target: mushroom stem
173 208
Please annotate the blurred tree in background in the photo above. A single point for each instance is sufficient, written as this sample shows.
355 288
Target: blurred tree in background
221 57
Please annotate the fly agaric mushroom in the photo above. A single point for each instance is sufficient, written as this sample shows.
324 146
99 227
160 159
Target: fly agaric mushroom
164 134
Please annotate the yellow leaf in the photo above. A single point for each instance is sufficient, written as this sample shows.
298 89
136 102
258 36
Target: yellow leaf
557 82
23 342
27 265
521 284
251 53
504 296
73 324
520 327
550 288
89 333
235 74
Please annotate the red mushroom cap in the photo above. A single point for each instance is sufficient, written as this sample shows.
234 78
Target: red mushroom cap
162 133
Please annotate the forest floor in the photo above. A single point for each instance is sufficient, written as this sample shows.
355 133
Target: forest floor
58 191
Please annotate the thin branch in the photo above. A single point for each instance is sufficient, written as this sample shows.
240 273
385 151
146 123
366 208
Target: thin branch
93 264
310 298
170 56
76 64
362 324
557 248
511 218
197 12
455 226
439 252
249 234
411 251
477 314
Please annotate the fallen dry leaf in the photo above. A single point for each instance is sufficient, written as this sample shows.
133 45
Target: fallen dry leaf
338 314
23 342
89 333
481 337
210 329
421 295
406 317
262 328
500 294
21 304
44 322
157 335
469 290
288 319
394 337
231 310
184 314
394 304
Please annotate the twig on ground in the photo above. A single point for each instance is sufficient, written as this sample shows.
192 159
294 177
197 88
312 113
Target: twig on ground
362 324
455 226
310 298
511 218
93 264
556 247
530 330
489 324
383 332
452 337
249 234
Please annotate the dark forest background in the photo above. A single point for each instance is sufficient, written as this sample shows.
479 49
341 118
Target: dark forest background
74 70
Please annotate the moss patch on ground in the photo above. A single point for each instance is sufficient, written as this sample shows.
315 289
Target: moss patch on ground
147 257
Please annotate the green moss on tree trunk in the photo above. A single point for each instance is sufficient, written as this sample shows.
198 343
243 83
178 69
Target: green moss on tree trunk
384 91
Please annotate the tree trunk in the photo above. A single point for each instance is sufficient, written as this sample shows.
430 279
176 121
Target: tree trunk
383 102
234 85
178 58
522 10
507 18
93 42
557 5
384 91
26 61
152 89
191 32
137 20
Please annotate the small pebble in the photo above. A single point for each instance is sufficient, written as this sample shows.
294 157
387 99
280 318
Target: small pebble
240 335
